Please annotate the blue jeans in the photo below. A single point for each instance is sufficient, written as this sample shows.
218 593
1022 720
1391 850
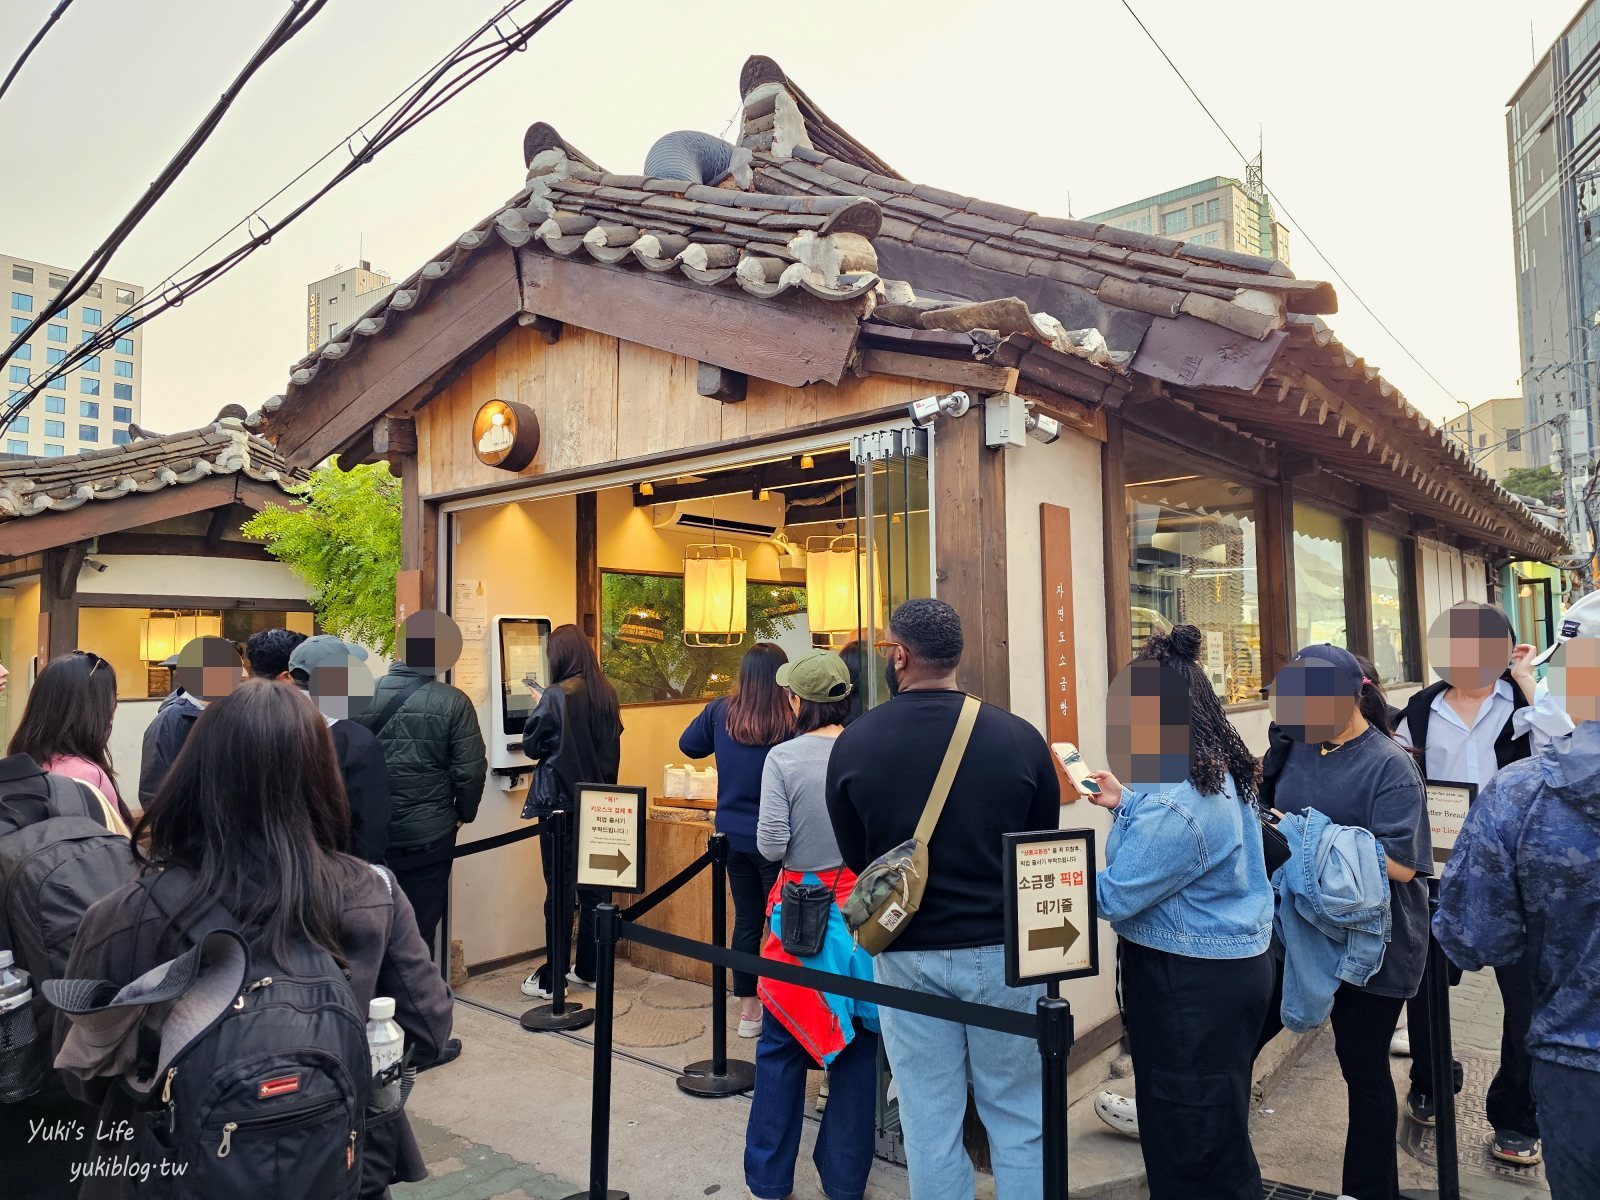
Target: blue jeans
932 1061
844 1143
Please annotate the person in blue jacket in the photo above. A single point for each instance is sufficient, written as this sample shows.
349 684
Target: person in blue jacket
739 730
1185 888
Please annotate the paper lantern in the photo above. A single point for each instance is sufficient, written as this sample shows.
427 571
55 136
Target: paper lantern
837 580
642 627
714 596
166 631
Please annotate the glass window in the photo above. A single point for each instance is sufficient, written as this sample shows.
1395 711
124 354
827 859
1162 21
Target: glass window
57 282
52 356
56 333
1213 211
15 447
122 391
88 433
53 451
60 384
123 322
15 395
91 364
124 345
55 429
1321 544
19 324
55 404
19 374
20 424
89 387
91 316
21 301
119 413
24 352
1390 600
94 291
1514 444
124 295
21 274
86 335
332 329
123 368
1137 224
1175 221
89 408
119 437
1192 559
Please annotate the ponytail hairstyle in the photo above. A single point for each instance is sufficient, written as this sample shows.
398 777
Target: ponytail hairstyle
1215 748
1371 699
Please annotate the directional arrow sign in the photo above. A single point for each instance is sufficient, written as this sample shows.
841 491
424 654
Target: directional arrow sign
1053 937
620 862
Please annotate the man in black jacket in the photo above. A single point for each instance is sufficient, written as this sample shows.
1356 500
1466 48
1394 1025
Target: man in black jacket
208 668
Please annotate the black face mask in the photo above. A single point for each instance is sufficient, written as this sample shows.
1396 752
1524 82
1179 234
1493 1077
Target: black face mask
893 678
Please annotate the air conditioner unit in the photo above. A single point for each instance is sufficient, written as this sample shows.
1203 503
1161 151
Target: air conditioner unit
740 518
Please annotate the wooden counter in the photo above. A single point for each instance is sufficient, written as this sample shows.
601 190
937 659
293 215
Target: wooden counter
670 846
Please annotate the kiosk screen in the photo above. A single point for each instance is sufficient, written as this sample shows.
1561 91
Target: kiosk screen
523 645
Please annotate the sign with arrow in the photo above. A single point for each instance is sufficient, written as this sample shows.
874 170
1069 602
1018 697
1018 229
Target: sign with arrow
610 823
1050 906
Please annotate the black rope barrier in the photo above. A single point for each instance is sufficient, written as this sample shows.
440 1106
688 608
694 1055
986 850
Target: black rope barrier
645 903
536 829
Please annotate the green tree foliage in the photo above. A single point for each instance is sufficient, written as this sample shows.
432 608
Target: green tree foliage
1539 482
344 541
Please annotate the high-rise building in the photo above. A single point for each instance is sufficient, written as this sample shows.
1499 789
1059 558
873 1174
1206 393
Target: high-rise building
341 299
1493 434
1220 212
92 407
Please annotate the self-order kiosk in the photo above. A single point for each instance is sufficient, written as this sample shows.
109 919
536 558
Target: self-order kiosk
520 656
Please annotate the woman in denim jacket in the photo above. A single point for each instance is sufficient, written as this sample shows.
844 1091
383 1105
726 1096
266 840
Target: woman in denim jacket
1185 888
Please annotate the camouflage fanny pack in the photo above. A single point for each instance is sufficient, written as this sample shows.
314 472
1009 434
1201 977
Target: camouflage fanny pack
888 893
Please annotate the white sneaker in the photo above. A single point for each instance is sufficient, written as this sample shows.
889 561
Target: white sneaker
579 981
1400 1043
1121 1113
749 1028
535 986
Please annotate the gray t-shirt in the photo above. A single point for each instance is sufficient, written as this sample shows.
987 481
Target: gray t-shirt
794 823
1371 783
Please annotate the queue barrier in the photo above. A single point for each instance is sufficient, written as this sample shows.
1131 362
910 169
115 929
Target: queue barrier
1436 991
1050 1025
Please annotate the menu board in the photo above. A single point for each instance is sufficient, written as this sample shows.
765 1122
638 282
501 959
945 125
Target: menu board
1060 645
1447 812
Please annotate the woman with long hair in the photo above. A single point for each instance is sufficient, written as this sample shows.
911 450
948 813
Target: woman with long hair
739 730
575 731
1185 888
253 817
66 723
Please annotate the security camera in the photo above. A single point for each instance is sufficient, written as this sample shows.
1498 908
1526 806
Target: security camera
94 564
1042 428
924 412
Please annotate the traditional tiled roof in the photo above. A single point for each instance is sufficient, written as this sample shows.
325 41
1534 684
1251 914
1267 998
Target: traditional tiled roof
31 486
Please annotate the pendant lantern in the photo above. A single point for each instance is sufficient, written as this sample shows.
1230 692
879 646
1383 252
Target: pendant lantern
836 582
714 596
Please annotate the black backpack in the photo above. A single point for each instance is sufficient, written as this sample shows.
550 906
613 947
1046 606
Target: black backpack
270 1099
56 859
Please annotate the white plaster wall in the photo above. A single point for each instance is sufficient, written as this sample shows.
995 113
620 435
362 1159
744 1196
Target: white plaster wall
187 575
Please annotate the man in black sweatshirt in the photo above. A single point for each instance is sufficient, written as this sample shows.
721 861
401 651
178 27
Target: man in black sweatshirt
879 777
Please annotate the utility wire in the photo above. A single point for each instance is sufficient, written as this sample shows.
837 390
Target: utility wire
299 15
454 73
55 15
1284 208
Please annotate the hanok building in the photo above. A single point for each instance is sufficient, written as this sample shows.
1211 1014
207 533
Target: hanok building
746 356
132 551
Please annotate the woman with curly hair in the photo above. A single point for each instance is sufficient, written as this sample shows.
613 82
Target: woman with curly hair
1185 888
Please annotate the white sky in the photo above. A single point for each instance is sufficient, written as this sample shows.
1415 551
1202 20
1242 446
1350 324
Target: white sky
1383 121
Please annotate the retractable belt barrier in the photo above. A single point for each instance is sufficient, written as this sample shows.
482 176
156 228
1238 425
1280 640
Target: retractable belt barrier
537 829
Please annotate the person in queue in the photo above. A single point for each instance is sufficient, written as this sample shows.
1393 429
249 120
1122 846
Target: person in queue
1480 717
253 817
576 727
1344 765
807 1029
880 776
1523 889
65 726
739 730
1185 888
205 669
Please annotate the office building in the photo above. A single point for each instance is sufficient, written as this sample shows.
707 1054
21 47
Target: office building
1219 212
92 407
339 300
1493 432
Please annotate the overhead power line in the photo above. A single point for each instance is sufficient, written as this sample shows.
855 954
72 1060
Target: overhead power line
1284 208
297 18
55 15
454 73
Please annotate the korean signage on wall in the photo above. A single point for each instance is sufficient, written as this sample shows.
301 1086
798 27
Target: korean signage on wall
1060 655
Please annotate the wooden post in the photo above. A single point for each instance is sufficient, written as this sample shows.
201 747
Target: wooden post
418 535
1118 559
970 550
58 600
588 561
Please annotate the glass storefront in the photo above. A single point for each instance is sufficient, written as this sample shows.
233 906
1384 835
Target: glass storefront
1192 539
1388 585
1321 566
135 640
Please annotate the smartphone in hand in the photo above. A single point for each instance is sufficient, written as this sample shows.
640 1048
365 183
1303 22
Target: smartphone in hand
1077 771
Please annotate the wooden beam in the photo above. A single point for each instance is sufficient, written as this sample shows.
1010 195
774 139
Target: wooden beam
980 377
721 384
795 342
217 526
1374 502
1114 520
1172 422
152 600
549 331
17 568
588 564
182 546
970 532
825 468
58 591
394 435
1298 466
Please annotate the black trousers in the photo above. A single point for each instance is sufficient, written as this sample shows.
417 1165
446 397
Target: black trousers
1569 1098
423 873
750 880
1192 1026
1363 1023
581 946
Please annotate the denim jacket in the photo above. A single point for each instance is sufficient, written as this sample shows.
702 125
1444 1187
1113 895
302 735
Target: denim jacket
1333 914
1185 874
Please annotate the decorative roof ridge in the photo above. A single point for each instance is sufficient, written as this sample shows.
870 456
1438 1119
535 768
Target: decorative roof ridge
778 115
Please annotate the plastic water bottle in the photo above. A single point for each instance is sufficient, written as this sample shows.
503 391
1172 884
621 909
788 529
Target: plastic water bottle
16 1015
387 1044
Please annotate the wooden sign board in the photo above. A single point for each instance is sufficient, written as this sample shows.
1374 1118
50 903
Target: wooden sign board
610 823
1060 652
1447 812
1050 906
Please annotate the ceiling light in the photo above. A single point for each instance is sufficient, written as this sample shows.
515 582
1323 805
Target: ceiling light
807 462
647 488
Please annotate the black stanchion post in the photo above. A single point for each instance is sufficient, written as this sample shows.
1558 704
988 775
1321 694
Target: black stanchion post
558 1014
717 1076
607 927
1055 1043
1436 992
